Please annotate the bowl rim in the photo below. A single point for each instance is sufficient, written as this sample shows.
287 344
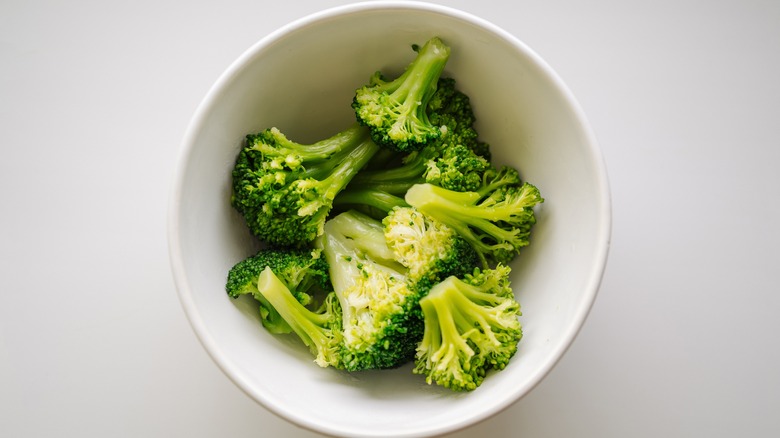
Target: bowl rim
181 282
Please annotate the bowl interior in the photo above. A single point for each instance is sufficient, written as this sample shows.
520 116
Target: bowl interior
301 80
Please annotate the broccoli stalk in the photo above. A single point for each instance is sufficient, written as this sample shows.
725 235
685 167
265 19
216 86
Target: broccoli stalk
380 201
303 272
471 327
497 223
395 110
285 190
320 331
397 180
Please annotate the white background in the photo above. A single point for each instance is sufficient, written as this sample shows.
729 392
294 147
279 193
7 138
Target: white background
683 95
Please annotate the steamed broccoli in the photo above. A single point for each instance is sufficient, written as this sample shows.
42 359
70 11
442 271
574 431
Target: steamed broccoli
395 110
471 327
458 168
496 222
285 189
303 272
452 160
374 292
319 329
397 179
430 250
451 109
388 242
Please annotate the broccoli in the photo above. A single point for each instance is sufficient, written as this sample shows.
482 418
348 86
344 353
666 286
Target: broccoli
471 327
379 330
303 272
285 190
320 330
458 169
430 250
496 221
452 161
451 109
495 178
395 110
388 242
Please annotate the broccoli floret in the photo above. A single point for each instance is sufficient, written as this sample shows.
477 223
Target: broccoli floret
303 272
374 293
496 223
471 327
458 169
495 178
462 159
396 110
452 161
430 250
451 109
285 190
319 330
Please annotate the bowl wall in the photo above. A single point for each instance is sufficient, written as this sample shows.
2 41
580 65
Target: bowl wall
301 80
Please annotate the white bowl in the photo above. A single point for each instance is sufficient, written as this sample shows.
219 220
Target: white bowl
301 79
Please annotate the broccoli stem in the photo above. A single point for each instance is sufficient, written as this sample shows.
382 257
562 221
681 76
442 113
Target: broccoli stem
343 173
337 180
309 326
321 150
344 147
419 80
366 235
381 200
455 209
462 203
399 179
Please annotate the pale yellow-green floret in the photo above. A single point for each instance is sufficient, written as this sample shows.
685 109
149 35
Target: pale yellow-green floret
417 240
368 303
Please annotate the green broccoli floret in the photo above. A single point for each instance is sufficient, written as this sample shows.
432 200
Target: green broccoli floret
451 109
495 178
462 159
285 190
471 327
320 330
303 272
450 161
396 110
496 223
458 169
374 293
430 250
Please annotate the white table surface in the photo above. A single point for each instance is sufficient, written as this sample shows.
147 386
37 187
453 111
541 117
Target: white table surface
683 95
